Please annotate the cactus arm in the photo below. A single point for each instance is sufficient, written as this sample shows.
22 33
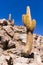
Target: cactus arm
24 19
28 13
33 25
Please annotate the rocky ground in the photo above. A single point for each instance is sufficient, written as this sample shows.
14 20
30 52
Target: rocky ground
12 38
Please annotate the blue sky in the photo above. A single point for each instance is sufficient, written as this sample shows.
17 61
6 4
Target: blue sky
18 7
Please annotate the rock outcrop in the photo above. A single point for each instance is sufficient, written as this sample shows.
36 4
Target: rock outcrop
12 41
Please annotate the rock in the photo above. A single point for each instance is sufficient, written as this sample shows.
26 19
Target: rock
11 44
2 60
20 64
23 37
3 22
20 29
1 50
34 63
21 60
9 31
16 36
10 61
12 40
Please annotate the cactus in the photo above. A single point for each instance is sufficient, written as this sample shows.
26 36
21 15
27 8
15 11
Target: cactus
9 18
30 25
11 21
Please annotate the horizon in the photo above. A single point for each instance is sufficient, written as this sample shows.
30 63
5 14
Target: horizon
17 8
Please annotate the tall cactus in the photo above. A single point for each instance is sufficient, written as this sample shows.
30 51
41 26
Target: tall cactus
30 25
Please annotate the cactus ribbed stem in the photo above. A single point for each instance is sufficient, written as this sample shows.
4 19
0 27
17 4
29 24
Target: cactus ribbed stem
30 25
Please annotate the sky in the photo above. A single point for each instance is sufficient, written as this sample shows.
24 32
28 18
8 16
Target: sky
18 7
